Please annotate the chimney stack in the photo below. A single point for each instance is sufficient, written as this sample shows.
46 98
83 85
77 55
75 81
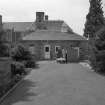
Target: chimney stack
39 20
39 17
0 23
46 17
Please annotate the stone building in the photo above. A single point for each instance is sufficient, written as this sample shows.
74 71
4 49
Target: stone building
43 37
49 35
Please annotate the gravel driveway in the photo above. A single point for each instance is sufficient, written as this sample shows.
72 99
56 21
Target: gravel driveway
59 84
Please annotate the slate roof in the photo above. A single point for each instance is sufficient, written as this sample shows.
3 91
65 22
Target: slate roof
52 35
17 26
52 25
57 25
56 30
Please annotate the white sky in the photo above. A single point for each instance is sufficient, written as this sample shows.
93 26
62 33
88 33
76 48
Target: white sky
73 12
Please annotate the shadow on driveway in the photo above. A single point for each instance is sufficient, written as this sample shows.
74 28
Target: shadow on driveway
21 93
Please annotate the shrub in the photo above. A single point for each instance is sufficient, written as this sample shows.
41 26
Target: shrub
20 53
30 64
4 50
17 68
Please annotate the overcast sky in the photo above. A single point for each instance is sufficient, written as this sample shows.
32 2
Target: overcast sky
73 12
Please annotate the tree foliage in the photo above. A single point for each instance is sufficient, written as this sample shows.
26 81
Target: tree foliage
20 53
100 53
94 19
95 23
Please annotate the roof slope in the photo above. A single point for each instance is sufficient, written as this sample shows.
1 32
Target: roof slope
52 35
51 25
57 25
17 26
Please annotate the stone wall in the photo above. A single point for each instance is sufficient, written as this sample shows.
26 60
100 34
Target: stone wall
65 44
84 52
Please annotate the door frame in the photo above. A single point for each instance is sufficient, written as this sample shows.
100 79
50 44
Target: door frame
47 54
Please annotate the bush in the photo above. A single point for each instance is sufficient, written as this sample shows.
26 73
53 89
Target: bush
20 53
30 64
4 50
17 68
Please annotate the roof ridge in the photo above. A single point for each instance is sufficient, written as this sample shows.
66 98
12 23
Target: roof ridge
18 22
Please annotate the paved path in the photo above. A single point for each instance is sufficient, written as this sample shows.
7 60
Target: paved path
59 84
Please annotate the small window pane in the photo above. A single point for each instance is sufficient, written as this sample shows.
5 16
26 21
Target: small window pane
47 49
57 48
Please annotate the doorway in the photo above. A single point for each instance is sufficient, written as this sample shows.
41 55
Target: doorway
47 51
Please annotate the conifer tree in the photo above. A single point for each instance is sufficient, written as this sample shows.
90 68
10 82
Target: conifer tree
94 19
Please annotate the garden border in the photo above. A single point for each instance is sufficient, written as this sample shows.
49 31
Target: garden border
14 87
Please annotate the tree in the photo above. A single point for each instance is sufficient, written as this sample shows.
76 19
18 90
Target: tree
100 52
94 19
95 23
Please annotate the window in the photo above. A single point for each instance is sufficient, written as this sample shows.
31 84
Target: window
46 49
56 48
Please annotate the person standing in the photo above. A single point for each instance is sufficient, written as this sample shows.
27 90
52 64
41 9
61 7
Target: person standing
63 53
66 56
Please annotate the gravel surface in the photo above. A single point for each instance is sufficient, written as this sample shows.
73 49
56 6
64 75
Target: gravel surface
59 84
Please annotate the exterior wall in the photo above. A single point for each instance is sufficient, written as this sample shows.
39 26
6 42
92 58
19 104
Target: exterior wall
11 36
68 45
84 52
5 71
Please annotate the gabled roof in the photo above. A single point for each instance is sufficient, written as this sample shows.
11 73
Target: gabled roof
52 35
57 25
51 25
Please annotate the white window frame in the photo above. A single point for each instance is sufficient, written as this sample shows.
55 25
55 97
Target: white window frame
47 46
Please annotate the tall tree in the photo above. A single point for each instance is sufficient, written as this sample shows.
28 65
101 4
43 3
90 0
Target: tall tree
95 29
94 19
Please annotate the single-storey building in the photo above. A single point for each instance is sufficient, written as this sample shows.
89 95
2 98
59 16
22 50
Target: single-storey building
44 44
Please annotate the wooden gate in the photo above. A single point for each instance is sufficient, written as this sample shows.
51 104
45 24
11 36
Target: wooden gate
73 55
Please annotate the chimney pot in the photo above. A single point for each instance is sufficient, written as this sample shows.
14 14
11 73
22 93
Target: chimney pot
46 17
0 23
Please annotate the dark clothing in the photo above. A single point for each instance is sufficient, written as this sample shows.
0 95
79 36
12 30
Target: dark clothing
66 57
